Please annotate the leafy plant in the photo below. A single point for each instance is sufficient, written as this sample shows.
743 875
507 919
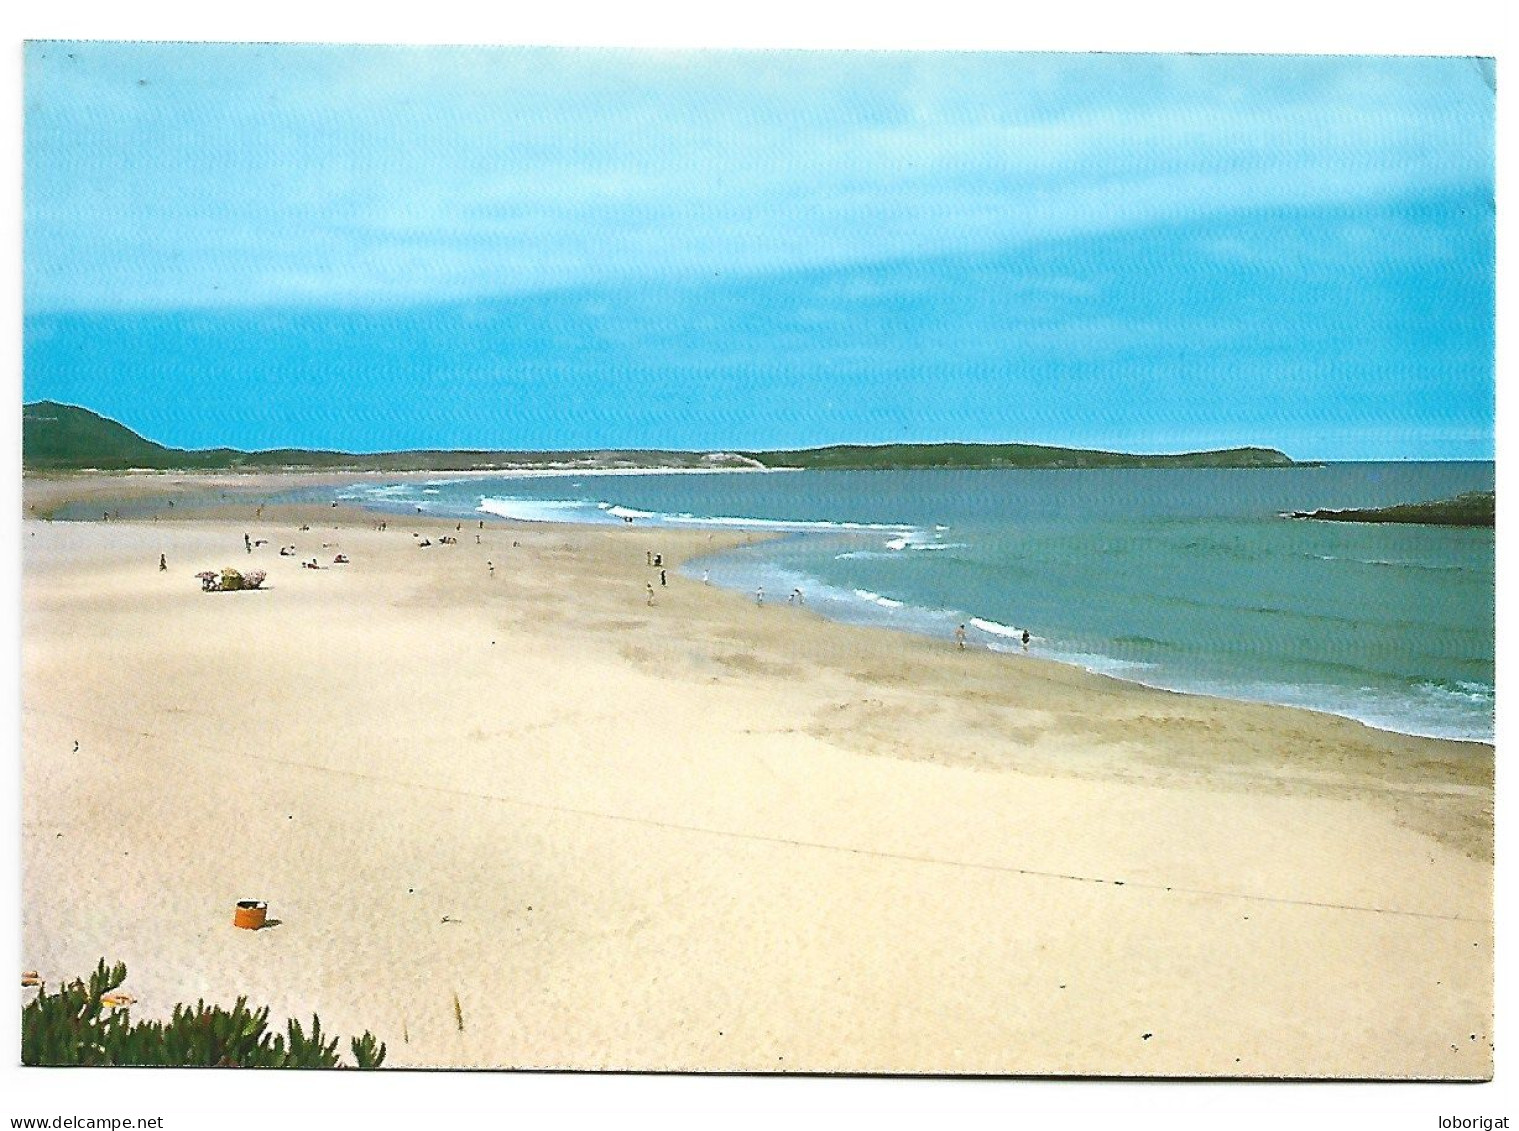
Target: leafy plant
72 1026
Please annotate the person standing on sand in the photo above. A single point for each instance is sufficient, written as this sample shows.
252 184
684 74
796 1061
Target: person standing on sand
648 557
163 564
649 585
705 576
759 595
492 567
247 543
662 581
960 637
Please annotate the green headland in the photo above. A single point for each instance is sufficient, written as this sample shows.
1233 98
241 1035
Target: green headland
57 437
1475 508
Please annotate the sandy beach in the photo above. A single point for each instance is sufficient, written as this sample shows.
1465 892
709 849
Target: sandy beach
527 819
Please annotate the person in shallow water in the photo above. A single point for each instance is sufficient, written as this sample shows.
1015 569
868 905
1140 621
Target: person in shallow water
1025 639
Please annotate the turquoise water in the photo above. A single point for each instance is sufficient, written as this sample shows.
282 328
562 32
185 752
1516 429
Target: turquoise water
1185 579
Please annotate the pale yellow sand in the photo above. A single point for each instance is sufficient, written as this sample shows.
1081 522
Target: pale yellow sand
705 835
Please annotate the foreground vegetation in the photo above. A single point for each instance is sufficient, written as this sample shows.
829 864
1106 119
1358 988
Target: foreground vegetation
88 1024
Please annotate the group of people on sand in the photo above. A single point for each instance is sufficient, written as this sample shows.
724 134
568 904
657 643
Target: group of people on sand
795 597
249 543
655 561
1024 638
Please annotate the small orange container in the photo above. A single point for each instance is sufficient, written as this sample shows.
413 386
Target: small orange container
250 914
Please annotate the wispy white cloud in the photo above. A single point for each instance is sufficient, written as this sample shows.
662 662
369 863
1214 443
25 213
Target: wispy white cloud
169 175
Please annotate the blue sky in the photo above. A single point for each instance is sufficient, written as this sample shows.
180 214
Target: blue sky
374 248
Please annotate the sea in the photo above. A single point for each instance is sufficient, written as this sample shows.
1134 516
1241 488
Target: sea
1192 580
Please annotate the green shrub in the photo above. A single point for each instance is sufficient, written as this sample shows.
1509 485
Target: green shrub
73 1027
231 579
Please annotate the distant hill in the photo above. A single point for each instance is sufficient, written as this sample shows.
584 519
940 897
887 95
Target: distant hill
966 456
59 437
1475 508
63 436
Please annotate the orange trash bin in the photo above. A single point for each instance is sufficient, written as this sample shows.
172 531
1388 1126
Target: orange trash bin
250 914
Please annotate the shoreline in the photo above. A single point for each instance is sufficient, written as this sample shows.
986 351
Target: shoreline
1016 656
58 491
700 835
349 513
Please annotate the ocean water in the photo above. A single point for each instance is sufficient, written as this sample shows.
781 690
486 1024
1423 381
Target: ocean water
1184 579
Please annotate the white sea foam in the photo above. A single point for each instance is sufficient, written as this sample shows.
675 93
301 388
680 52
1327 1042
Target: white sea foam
539 510
389 491
798 525
571 510
996 629
1100 664
876 598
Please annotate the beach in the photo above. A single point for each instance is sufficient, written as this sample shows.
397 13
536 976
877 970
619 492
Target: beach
525 818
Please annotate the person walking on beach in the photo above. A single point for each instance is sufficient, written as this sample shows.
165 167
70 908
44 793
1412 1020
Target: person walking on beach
759 595
163 564
648 557
960 637
492 567
1025 640
649 585
662 581
247 543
